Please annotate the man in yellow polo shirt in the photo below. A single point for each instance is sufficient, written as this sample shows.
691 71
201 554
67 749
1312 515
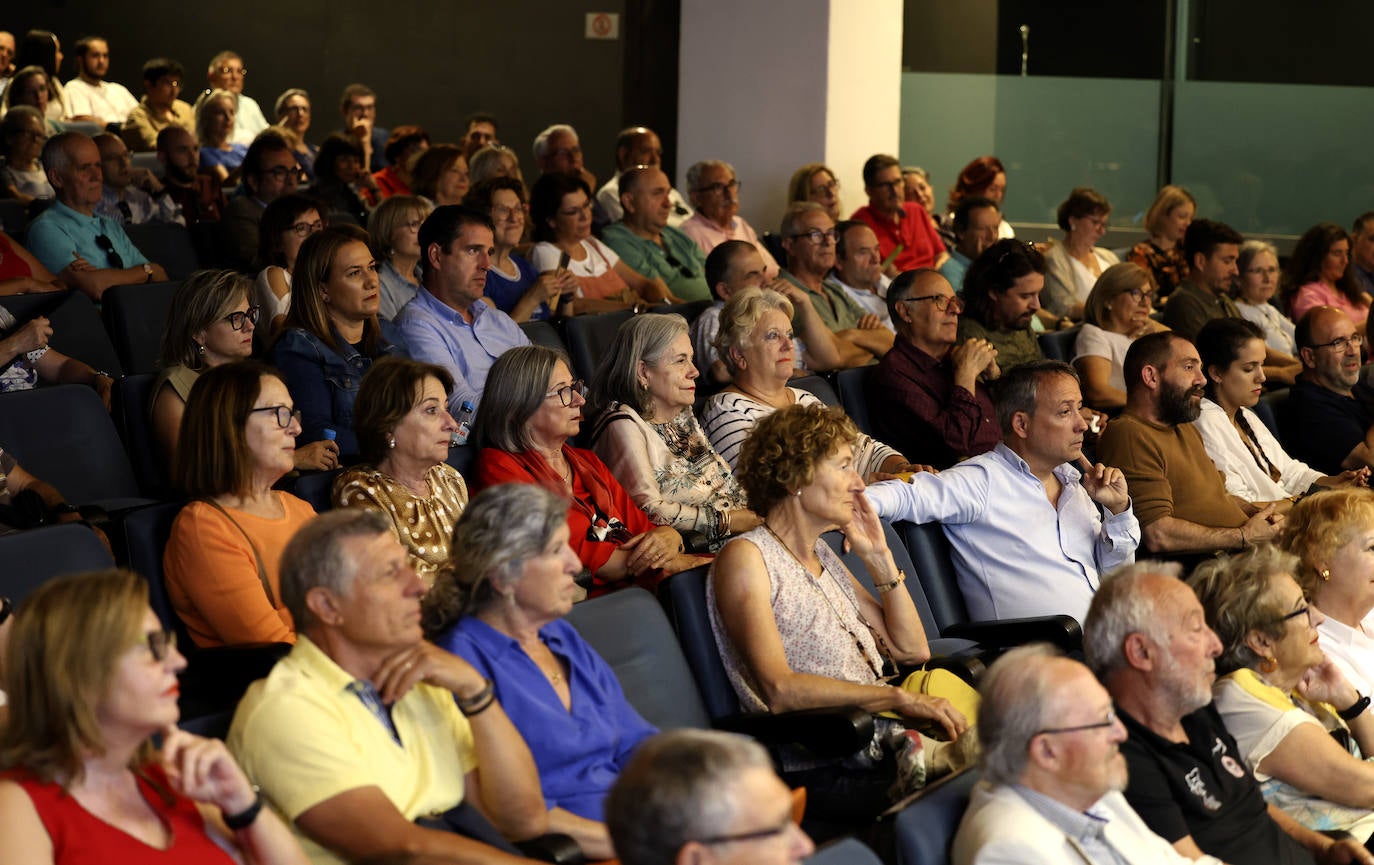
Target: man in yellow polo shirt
356 733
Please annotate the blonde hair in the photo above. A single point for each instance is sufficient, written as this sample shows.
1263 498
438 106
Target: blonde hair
741 313
1114 282
1320 524
1169 198
1237 597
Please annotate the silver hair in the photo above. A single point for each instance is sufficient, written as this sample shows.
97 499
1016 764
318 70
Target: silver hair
57 155
515 388
316 557
641 338
699 168
680 786
739 317
541 141
1016 704
1120 609
792 218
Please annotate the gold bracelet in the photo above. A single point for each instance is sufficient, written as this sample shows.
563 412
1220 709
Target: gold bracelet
887 587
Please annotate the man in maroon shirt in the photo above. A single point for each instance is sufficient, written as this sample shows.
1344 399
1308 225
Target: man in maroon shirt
903 227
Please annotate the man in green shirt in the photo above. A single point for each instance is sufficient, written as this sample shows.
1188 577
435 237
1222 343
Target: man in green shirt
648 244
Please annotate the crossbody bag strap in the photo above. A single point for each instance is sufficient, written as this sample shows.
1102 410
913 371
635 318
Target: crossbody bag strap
262 569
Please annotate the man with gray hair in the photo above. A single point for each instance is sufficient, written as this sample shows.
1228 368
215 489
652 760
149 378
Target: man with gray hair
365 728
714 192
1146 638
1032 524
558 150
1052 772
698 797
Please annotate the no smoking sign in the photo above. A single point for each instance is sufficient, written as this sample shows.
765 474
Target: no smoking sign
603 25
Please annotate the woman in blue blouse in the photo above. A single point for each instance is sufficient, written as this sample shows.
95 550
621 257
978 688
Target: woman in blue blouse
500 606
332 333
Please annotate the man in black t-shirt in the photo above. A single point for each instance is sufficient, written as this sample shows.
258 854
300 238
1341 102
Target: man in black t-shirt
1146 638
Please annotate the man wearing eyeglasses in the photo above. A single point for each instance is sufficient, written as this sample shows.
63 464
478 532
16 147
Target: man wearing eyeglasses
1328 418
702 797
159 108
1147 640
637 145
87 251
1053 772
228 72
714 190
558 150
270 170
646 241
131 196
907 235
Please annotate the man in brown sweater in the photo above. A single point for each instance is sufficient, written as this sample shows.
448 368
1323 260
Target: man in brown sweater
1179 496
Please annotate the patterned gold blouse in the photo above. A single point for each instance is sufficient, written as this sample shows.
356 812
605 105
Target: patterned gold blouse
424 526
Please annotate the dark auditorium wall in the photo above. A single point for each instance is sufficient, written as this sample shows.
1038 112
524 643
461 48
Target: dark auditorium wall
431 62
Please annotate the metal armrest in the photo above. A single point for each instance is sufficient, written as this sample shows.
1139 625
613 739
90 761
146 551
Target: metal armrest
834 732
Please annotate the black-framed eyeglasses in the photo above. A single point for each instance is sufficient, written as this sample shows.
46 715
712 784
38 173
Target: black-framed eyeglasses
1109 721
1341 343
565 393
161 643
305 229
284 414
818 237
756 835
1304 610
941 302
733 186
107 246
281 172
1140 295
239 318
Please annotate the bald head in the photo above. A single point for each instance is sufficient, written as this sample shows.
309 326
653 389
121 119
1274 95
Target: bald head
913 320
644 195
1327 346
637 145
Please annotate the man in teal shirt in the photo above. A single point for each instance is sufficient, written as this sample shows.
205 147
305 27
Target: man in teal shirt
648 244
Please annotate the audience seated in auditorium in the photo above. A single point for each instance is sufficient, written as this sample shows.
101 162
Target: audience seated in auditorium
532 410
500 608
358 105
286 223
1147 640
1116 313
557 150
270 170
131 196
1326 420
494 160
341 181
1330 532
513 284
703 796
984 177
292 111
440 175
1281 699
395 232
1161 253
644 430
1002 292
635 147
22 135
815 181
332 334
1255 466
450 323
21 273
974 225
796 630
1032 525
1052 772
561 218
714 192
220 155
647 242
228 72
198 196
95 679
42 48
1258 264
86 251
1179 496
1073 265
1362 252
1318 274
29 86
906 233
402 149
365 735
159 107
859 268
756 343
89 95
481 133
928 395
221 562
404 430
26 357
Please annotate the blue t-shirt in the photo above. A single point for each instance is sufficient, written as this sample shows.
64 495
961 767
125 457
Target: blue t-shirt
213 157
506 292
59 231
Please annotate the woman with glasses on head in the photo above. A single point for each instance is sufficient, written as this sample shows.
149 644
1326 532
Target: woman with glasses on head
1302 728
513 284
561 212
1318 274
286 223
395 232
22 136
814 181
293 120
1259 279
1116 314
531 408
1073 266
80 778
332 333
220 156
238 438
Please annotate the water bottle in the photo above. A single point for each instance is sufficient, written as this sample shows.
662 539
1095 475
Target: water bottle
465 414
330 435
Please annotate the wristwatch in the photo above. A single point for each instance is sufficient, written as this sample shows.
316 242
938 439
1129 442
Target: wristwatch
148 270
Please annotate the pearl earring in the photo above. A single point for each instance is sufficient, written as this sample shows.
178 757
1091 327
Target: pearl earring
391 442
200 350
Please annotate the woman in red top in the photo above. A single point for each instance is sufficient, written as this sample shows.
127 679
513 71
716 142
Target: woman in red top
531 407
20 272
92 677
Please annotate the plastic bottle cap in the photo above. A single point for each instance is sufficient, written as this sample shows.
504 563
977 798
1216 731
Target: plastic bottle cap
467 405
330 435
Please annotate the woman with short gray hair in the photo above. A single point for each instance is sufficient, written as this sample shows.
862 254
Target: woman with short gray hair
500 606
646 433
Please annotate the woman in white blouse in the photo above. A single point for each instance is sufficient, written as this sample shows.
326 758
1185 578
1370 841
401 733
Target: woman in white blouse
1117 314
645 432
1256 467
1073 266
286 223
1259 279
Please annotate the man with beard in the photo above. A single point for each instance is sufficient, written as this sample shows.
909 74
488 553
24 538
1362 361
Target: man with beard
1325 423
201 199
1179 496
1053 772
1001 297
1147 640
159 108
975 229
91 96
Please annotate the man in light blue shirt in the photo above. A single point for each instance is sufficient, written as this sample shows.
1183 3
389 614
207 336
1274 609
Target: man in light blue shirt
1031 533
449 322
85 251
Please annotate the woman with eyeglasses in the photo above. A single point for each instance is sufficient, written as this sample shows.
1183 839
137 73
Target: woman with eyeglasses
238 438
1116 314
286 223
80 778
561 212
531 408
1318 274
220 156
293 119
22 136
332 333
1259 279
395 231
814 181
1073 266
513 284
1302 727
